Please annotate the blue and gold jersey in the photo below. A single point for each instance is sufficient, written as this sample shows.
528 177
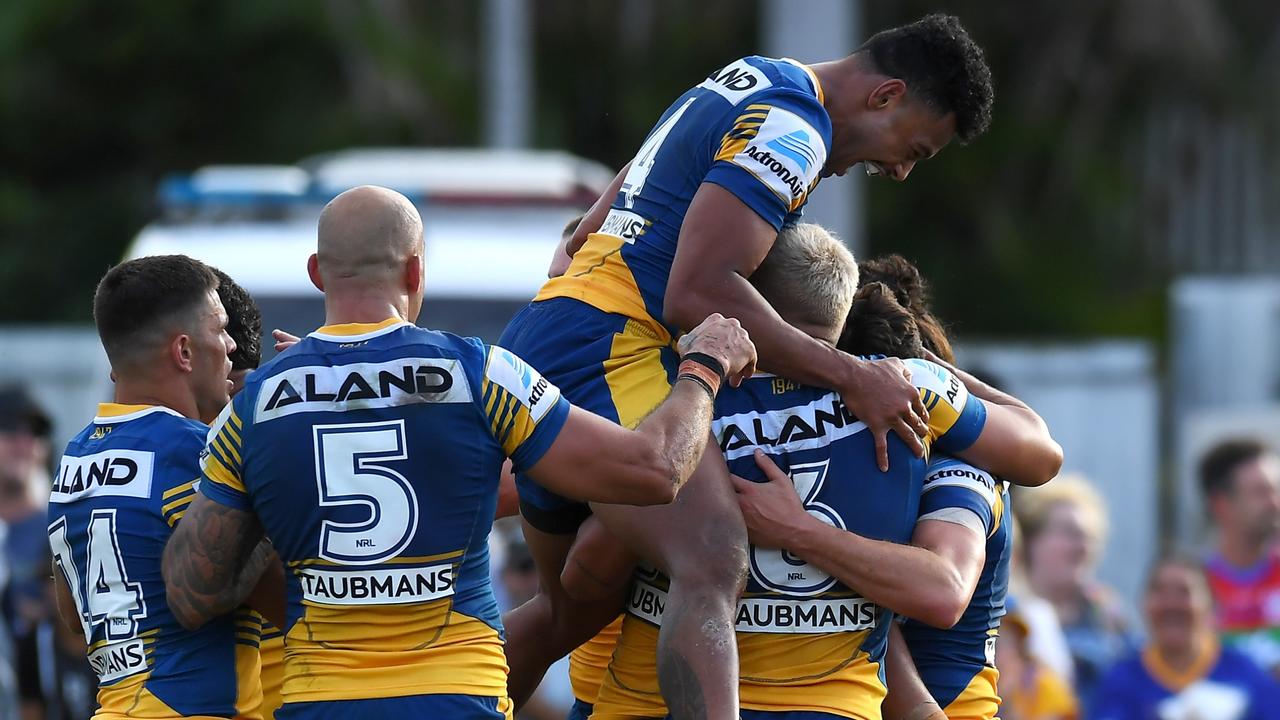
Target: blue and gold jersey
806 641
1221 683
371 453
957 664
122 485
755 127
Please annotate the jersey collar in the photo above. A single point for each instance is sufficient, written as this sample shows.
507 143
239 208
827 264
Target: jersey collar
117 412
1175 680
348 332
813 77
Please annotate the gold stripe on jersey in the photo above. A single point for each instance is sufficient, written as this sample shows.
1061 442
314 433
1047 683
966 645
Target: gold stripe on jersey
224 446
216 470
941 415
979 700
825 673
354 652
599 277
509 419
743 131
178 489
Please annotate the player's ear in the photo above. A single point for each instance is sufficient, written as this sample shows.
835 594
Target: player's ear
414 274
886 94
181 352
313 271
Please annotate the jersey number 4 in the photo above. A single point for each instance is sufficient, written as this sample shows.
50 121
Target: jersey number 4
352 472
104 594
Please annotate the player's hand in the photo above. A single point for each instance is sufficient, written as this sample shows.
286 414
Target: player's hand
284 340
882 396
725 340
771 509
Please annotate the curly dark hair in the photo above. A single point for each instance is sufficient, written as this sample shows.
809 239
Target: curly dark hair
909 288
941 65
244 322
879 325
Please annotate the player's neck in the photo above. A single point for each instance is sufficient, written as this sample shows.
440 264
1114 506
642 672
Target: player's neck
363 309
150 391
1240 551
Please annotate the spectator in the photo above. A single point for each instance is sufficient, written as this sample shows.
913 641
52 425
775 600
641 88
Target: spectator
1184 673
24 458
1029 690
1241 483
1066 525
53 682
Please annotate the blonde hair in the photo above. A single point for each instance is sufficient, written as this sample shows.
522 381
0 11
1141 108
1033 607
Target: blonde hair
1033 507
808 275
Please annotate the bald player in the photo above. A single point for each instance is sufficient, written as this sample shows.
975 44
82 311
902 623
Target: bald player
370 454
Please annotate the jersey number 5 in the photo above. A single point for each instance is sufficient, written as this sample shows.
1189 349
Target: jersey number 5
352 472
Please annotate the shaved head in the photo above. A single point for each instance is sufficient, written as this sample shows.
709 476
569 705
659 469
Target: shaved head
369 256
366 234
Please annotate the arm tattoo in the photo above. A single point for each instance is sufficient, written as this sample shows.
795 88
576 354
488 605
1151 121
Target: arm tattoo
212 561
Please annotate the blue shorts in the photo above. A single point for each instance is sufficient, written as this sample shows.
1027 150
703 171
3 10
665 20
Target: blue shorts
579 711
461 707
614 366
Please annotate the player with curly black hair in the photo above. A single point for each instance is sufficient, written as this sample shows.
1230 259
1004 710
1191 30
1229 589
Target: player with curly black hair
244 325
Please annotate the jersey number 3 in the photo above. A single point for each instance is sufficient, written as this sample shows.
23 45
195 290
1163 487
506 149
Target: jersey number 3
779 570
352 472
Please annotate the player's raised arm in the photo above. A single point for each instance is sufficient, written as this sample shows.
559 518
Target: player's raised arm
722 242
572 240
648 465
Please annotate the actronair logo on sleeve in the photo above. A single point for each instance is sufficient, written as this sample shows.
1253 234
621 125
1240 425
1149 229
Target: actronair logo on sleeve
361 386
396 586
517 377
120 473
736 81
786 155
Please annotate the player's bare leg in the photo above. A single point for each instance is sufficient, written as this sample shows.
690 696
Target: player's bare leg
551 624
700 543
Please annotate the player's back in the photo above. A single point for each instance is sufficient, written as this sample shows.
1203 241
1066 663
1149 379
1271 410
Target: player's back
371 453
756 127
957 664
806 641
121 486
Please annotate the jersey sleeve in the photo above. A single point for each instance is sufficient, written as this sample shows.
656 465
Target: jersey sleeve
956 418
525 411
183 475
952 485
223 479
772 155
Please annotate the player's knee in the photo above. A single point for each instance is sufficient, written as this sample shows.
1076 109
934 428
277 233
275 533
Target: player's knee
718 563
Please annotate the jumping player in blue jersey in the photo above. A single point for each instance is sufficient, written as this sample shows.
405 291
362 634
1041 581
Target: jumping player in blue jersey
123 483
370 454
673 239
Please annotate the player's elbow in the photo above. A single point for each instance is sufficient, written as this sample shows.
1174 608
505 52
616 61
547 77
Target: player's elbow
1042 461
654 478
181 607
943 607
686 303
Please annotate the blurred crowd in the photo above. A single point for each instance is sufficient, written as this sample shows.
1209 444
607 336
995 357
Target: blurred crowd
1204 643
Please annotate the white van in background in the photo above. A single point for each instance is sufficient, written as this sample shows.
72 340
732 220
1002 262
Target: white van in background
491 219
